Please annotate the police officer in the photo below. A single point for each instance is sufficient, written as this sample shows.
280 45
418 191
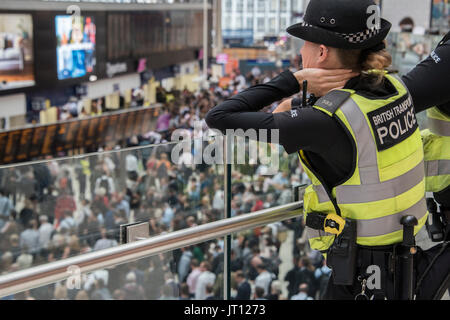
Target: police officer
360 145
436 145
428 84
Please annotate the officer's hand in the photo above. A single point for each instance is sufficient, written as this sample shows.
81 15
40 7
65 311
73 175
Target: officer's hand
321 81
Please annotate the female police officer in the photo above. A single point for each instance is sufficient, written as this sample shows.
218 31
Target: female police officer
360 145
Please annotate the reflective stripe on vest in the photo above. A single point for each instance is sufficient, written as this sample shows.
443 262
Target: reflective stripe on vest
437 168
383 225
438 122
391 223
321 193
439 127
436 147
376 195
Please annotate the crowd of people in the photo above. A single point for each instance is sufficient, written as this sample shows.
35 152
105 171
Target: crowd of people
60 208
75 107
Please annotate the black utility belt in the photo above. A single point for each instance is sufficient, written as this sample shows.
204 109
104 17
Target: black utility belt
387 248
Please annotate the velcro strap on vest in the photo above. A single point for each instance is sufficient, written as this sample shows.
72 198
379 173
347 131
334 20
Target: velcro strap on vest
445 39
333 100
331 223
315 220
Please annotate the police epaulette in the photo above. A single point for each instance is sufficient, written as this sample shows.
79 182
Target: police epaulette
333 100
445 39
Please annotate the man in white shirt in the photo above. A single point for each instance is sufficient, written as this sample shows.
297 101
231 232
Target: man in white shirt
45 232
302 294
29 238
131 165
205 278
218 202
264 278
106 180
83 213
104 242
6 206
193 277
67 221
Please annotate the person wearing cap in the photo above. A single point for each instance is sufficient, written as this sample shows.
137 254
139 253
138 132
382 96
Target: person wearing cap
360 145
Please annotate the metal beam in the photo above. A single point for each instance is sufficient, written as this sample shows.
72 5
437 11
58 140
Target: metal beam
39 5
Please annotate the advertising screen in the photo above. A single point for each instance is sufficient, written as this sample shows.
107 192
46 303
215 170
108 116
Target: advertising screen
75 36
16 51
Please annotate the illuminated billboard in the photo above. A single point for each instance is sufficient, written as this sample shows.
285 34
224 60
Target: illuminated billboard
75 46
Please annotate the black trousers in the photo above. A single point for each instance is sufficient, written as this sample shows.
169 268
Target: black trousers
433 272
376 289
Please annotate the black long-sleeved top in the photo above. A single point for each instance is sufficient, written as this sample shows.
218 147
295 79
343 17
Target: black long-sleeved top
326 142
322 137
429 81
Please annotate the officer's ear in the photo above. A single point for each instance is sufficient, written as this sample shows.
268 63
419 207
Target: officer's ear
323 54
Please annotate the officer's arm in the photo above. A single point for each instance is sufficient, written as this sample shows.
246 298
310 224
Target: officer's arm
239 112
225 115
304 128
284 106
429 81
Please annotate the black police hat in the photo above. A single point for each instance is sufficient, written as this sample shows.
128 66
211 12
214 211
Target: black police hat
345 24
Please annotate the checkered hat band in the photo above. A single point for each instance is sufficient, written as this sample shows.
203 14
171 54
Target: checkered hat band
353 37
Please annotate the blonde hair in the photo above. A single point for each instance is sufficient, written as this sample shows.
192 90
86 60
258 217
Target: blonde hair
360 60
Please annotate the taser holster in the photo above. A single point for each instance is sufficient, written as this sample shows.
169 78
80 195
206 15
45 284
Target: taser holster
341 256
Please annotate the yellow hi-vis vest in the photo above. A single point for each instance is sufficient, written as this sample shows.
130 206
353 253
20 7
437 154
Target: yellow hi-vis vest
387 181
436 147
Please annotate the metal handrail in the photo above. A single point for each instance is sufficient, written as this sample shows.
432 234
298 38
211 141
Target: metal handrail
60 270
97 6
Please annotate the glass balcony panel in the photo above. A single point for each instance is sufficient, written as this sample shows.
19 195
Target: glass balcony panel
260 183
265 179
62 208
190 273
273 261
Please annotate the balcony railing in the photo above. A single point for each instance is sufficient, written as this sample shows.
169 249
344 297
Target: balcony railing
54 260
60 270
